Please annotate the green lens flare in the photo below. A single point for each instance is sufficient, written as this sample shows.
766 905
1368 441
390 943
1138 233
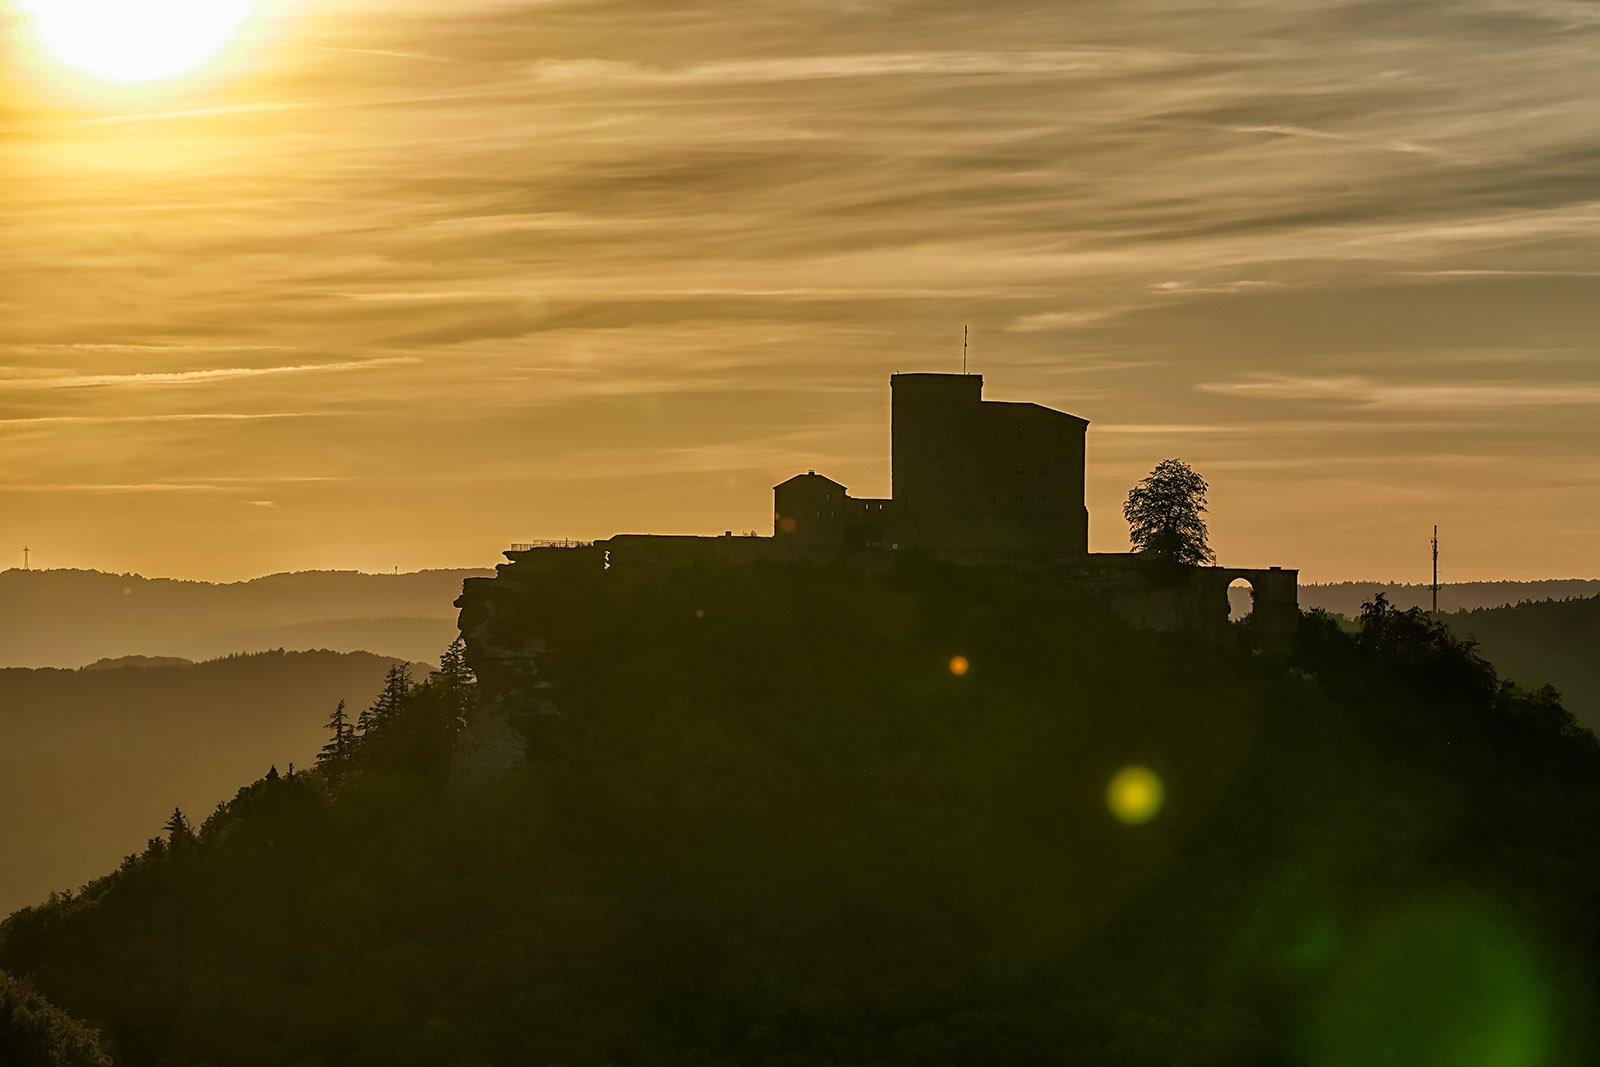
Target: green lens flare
1442 984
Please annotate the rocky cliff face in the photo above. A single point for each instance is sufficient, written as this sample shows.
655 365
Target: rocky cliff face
503 624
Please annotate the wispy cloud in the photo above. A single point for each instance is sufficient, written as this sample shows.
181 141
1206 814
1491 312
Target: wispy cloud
381 52
1443 396
1176 429
181 486
111 487
1326 135
870 65
111 420
73 381
1054 320
1242 285
114 347
1499 273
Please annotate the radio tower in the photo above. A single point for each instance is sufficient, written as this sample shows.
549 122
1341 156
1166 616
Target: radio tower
25 551
1435 543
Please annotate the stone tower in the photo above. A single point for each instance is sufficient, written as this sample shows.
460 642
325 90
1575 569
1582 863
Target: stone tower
972 476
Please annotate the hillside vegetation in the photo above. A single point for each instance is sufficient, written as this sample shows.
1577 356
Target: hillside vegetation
1548 641
773 825
36 1033
91 761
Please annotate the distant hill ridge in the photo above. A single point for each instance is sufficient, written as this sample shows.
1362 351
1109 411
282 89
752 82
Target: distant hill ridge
1346 598
119 662
67 618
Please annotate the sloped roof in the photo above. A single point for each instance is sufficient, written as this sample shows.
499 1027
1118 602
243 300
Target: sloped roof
1018 406
809 480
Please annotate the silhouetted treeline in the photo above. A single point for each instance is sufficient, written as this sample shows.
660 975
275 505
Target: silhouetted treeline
773 826
1346 598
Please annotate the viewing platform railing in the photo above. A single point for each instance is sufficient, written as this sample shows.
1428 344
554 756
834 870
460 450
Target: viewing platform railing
560 542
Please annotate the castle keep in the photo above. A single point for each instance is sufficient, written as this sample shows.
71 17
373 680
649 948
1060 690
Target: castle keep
971 477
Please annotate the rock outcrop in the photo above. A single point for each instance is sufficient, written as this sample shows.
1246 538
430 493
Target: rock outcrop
507 650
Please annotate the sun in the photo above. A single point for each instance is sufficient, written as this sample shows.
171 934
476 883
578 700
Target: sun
133 41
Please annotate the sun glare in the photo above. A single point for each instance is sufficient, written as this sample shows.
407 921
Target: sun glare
133 41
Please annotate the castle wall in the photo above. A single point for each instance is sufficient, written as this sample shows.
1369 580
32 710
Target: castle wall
1157 596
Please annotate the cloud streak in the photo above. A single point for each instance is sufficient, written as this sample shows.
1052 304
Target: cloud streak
174 417
1366 392
187 377
876 65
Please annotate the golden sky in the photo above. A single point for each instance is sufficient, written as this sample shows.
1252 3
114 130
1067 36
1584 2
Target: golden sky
394 284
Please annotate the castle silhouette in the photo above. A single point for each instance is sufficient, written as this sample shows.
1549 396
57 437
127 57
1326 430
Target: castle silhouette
973 482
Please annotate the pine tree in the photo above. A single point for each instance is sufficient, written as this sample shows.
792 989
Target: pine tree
455 682
180 835
391 701
453 669
336 754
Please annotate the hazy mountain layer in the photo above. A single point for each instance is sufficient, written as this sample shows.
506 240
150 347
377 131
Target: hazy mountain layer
71 618
92 762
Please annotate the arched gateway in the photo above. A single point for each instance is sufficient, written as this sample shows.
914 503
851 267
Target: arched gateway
1277 602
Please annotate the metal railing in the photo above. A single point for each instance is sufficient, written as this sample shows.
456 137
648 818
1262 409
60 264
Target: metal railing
560 542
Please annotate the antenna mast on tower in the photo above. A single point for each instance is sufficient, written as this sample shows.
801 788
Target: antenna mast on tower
1435 586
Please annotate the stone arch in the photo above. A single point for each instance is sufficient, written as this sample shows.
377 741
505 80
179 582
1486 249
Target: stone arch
1275 604
1241 594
